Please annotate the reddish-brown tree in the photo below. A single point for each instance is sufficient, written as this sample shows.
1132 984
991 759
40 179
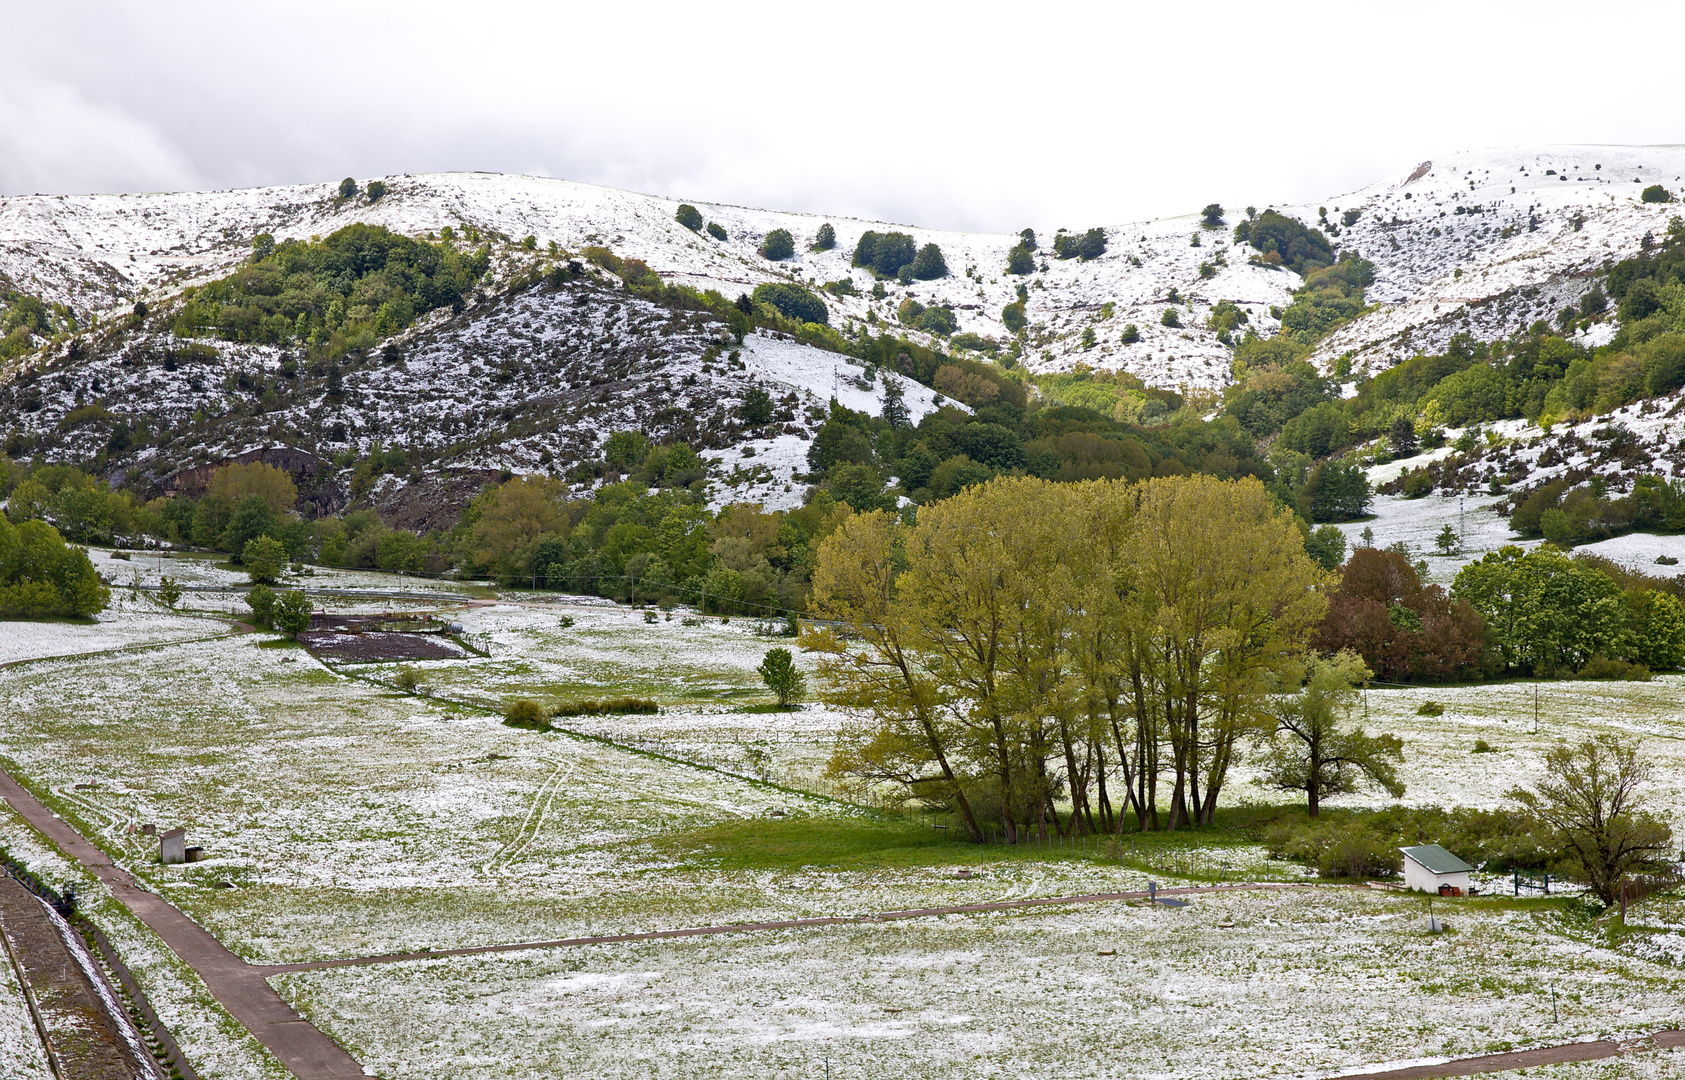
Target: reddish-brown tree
1404 630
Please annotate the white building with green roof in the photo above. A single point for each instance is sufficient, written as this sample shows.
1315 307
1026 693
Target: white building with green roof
1430 868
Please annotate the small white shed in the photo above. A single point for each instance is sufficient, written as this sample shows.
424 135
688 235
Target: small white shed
1430 868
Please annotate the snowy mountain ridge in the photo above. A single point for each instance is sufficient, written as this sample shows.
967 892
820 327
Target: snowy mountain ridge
1476 241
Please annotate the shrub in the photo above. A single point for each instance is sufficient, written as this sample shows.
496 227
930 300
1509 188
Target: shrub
1020 260
1602 667
939 321
1131 334
928 264
347 188
689 216
623 706
778 672
169 591
1012 315
716 230
1089 245
779 244
261 599
406 680
793 302
885 254
376 190
1655 193
908 311
1212 216
1170 318
825 239
292 613
1293 245
525 713
755 410
1336 848
1430 708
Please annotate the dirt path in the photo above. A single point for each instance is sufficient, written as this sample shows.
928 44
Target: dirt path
1527 1059
241 988
780 924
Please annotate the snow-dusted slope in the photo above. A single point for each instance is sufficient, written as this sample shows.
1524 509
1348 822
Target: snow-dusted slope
1515 244
526 381
1485 241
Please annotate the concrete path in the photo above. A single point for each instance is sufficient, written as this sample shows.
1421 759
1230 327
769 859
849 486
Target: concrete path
240 987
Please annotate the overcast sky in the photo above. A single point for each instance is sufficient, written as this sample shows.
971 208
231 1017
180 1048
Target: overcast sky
970 116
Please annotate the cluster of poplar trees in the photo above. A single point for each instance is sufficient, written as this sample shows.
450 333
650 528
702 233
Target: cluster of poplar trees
1083 658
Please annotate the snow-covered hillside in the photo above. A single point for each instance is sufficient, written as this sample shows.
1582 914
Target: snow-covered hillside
529 381
1486 241
1476 241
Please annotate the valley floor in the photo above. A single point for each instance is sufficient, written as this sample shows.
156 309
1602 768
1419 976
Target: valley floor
342 817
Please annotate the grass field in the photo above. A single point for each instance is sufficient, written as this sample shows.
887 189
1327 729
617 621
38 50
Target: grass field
341 818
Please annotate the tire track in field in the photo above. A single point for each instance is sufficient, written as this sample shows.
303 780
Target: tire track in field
530 827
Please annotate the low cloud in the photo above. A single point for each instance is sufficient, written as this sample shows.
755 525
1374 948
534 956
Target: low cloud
53 139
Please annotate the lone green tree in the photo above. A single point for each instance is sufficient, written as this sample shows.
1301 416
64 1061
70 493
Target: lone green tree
779 244
1402 435
1212 215
264 557
825 239
1590 796
689 216
928 264
347 188
1314 748
778 671
292 613
169 591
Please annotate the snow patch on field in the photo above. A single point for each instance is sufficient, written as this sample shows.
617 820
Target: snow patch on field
1232 986
114 628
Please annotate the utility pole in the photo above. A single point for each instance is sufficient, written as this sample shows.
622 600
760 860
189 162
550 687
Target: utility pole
1460 533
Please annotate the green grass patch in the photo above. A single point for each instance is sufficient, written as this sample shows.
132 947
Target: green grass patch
833 843
867 843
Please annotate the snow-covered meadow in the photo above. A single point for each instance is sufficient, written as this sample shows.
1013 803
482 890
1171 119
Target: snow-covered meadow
1243 984
341 818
